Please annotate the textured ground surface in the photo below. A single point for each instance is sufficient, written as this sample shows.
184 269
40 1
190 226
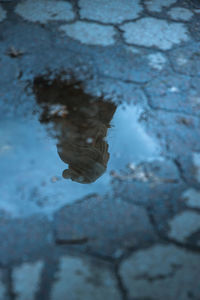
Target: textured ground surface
135 233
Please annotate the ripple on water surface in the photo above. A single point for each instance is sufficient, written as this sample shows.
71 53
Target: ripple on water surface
68 151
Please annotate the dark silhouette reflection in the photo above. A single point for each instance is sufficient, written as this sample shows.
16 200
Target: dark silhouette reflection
81 124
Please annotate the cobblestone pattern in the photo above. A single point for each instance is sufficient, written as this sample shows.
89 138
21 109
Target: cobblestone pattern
156 47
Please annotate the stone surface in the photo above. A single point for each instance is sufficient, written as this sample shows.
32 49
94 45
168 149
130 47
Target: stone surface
2 14
157 183
105 224
22 238
43 11
129 68
80 279
90 34
184 225
26 279
151 32
2 288
186 60
157 5
192 198
157 61
179 93
162 272
133 50
177 131
196 161
166 87
113 11
180 13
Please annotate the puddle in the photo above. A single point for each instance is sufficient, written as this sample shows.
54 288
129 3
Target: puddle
69 151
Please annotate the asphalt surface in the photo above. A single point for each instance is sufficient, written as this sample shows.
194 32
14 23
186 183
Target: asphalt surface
99 150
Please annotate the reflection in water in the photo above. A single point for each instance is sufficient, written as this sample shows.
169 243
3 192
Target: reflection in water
81 125
30 166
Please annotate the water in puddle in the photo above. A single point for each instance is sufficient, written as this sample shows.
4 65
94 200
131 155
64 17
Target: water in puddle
69 151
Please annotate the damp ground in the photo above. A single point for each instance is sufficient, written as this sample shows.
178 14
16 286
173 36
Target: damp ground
95 137
99 149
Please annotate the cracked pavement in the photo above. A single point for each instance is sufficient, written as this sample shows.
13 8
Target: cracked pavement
125 76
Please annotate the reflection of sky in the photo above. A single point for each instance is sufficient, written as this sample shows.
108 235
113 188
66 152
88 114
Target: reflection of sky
128 142
29 160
